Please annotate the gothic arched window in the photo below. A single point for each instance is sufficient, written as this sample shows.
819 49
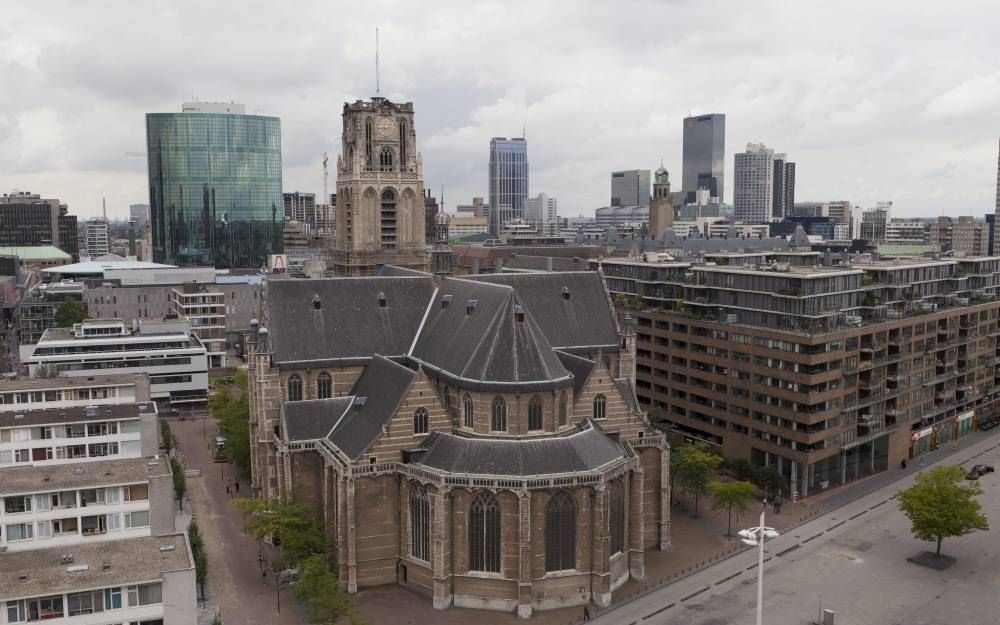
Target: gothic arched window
560 533
387 219
535 413
402 144
447 397
368 142
562 408
324 386
385 159
616 514
295 388
468 410
420 536
484 534
599 407
498 415
420 421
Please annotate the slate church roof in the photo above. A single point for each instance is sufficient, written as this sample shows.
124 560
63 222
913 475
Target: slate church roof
585 450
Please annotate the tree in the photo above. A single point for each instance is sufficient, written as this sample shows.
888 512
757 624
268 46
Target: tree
46 370
231 408
167 436
295 526
324 597
696 469
769 480
180 484
200 559
70 312
941 504
729 496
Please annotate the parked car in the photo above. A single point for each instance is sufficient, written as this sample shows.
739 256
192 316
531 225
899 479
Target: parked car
978 470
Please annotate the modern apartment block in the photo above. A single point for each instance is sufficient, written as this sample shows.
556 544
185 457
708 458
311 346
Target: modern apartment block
36 312
87 526
753 197
542 212
874 222
829 371
168 351
782 187
204 307
97 237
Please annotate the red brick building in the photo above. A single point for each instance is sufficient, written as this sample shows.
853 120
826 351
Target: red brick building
475 439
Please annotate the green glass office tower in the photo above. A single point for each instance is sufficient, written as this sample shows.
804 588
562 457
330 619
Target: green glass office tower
214 186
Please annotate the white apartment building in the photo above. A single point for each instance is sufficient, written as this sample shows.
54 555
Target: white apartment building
61 392
463 226
97 237
907 232
204 307
172 356
753 196
543 213
134 581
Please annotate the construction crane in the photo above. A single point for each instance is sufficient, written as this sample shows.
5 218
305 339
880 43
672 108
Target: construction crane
326 192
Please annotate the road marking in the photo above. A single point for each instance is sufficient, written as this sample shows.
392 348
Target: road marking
652 614
695 593
835 526
792 548
851 518
813 537
881 503
726 579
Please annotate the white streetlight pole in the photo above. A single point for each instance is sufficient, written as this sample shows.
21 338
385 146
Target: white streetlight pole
754 537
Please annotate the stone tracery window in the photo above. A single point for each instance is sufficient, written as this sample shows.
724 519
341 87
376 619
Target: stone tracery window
420 421
385 159
498 415
468 410
560 533
420 538
599 407
563 408
484 534
295 388
616 514
324 386
535 413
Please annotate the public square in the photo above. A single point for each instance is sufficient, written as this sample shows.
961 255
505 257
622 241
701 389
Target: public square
856 556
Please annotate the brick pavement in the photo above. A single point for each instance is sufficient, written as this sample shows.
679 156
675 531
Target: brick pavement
233 571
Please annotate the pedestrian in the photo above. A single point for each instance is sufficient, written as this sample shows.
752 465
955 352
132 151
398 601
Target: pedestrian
586 613
263 576
902 464
227 489
237 486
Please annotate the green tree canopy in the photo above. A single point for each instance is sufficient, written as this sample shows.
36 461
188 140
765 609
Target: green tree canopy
942 504
295 526
769 479
696 468
325 600
731 496
231 408
70 312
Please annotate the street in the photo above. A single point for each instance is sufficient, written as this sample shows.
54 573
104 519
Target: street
856 557
234 573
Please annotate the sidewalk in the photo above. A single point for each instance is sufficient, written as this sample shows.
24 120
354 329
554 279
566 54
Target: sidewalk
234 573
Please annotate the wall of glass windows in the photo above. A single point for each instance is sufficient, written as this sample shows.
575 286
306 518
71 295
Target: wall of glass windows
214 188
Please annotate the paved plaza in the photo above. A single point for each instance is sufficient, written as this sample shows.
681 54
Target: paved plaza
856 557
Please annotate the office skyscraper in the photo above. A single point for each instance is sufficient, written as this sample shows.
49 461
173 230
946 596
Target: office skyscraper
508 181
994 238
783 187
704 155
214 186
754 178
27 219
630 188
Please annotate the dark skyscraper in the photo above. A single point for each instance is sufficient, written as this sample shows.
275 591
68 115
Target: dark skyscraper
215 186
783 187
704 155
508 181
29 220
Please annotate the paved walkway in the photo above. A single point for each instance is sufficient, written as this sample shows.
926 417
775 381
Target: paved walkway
234 573
676 602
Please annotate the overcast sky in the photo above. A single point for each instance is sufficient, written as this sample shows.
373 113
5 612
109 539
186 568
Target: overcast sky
889 100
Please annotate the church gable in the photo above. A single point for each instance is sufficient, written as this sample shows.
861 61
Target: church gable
419 413
609 402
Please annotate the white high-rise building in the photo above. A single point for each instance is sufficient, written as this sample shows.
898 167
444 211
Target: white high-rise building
98 237
543 213
754 178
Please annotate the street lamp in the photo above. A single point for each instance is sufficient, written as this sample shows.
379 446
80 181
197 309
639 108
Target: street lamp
754 537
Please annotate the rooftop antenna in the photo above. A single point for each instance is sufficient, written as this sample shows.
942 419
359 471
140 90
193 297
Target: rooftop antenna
326 192
524 130
104 207
377 92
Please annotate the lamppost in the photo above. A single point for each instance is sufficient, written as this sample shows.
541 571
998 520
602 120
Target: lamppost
754 537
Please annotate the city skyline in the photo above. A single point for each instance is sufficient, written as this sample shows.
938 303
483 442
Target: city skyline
920 130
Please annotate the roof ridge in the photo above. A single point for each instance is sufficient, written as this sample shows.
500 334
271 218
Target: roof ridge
342 415
490 331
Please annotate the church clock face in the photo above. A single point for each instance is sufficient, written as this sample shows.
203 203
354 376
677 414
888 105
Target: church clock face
386 126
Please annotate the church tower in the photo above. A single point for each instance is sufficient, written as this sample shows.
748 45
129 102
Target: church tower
380 190
661 205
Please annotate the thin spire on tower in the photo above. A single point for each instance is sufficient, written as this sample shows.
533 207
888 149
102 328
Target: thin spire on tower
376 62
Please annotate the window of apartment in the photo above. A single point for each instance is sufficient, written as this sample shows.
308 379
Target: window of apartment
136 519
136 492
87 602
144 594
15 505
19 531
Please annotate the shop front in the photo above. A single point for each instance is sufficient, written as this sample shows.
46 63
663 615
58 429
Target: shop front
921 441
966 423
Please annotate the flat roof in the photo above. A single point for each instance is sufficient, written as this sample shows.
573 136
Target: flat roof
103 412
806 271
98 267
37 384
35 252
75 475
41 572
